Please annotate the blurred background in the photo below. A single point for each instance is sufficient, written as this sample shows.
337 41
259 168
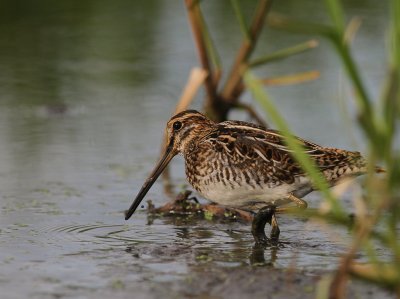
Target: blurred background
86 88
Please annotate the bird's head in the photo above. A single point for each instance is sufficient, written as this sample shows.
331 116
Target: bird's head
182 130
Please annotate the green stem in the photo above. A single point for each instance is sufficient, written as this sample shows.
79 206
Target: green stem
336 13
284 53
366 116
239 15
210 46
302 158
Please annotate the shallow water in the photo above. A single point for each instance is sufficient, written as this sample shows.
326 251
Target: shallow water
86 89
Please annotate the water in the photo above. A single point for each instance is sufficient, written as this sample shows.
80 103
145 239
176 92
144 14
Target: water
86 89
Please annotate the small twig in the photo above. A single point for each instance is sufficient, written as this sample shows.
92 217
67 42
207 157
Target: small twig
289 79
211 49
247 47
351 29
242 23
196 79
217 76
249 109
282 22
194 16
284 53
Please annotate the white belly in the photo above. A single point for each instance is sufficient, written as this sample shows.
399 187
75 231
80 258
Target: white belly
237 195
241 195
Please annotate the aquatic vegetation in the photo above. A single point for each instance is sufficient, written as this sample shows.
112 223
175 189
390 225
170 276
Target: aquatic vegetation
378 206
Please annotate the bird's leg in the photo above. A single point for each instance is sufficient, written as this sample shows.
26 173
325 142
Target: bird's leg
275 229
267 214
300 204
264 215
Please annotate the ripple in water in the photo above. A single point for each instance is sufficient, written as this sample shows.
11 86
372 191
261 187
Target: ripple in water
200 241
109 234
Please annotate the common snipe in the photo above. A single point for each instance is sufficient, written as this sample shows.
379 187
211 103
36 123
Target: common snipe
242 165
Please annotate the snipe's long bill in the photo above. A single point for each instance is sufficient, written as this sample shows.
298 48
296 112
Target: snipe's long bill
168 155
242 165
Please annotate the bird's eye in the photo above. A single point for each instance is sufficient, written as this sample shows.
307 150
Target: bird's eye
177 125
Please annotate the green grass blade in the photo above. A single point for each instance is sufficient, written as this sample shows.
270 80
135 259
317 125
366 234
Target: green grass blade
239 15
302 158
336 13
284 53
395 32
210 46
281 22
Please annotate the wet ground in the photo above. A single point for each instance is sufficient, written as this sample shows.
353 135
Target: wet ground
57 252
86 89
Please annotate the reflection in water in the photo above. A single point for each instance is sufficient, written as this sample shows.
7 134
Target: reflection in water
182 232
257 256
198 238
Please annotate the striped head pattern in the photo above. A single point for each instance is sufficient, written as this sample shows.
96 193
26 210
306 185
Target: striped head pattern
185 127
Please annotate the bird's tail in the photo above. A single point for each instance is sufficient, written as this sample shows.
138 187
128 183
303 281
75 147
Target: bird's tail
360 164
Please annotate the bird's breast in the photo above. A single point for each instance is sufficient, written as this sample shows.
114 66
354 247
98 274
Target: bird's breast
218 179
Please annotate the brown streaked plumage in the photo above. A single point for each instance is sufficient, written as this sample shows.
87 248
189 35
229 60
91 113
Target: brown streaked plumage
242 165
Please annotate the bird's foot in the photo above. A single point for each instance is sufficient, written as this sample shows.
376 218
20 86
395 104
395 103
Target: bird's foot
264 216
